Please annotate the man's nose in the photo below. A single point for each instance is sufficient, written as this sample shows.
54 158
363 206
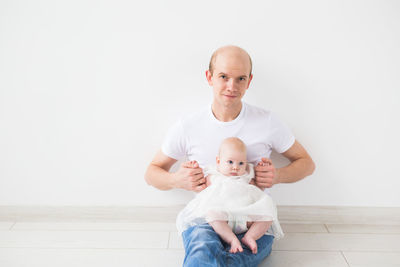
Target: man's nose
231 85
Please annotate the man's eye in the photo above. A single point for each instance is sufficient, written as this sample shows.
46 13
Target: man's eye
241 163
230 161
242 79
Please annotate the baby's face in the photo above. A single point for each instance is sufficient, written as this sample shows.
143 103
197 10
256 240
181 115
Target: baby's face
231 162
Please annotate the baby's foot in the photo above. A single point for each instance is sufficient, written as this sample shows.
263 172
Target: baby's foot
250 243
236 246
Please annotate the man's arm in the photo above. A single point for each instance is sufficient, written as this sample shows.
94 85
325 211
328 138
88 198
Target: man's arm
189 176
301 166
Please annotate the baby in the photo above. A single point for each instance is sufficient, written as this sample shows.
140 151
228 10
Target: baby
230 204
231 161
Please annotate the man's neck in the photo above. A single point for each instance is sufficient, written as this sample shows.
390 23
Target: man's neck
226 113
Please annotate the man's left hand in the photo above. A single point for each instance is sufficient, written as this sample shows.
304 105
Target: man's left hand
266 174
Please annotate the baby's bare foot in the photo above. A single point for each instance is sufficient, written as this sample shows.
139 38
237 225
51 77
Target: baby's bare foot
250 243
236 246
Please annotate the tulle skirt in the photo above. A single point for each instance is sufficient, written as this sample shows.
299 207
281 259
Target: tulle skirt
232 201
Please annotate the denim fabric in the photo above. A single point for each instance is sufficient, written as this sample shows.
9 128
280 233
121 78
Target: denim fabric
203 247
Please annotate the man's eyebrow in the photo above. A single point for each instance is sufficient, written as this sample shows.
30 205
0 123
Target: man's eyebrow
241 76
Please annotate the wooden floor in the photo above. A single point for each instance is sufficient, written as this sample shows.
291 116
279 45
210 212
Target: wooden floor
60 239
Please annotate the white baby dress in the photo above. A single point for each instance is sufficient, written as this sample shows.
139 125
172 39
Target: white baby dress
232 199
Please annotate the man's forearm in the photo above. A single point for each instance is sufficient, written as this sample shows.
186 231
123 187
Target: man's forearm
295 171
159 178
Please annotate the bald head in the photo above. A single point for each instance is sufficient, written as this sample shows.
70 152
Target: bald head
230 51
232 143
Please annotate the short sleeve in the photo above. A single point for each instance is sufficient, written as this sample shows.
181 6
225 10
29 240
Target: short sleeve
282 137
174 145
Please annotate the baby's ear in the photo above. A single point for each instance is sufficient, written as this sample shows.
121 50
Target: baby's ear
217 160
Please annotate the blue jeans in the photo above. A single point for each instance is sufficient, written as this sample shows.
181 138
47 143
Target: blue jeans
203 247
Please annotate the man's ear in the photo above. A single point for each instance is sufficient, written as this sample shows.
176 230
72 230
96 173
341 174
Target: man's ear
250 78
209 77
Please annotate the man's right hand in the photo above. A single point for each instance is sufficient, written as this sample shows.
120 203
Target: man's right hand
190 177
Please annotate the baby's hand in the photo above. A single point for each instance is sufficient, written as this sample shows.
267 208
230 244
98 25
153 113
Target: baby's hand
265 173
190 177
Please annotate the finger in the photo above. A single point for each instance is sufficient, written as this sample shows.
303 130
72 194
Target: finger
264 175
196 175
262 180
200 188
265 168
260 163
266 161
200 181
187 164
191 164
264 185
195 171
260 167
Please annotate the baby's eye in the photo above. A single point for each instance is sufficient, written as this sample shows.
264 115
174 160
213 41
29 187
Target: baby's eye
230 161
222 76
241 163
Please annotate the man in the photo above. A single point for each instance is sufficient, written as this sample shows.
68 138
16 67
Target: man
198 136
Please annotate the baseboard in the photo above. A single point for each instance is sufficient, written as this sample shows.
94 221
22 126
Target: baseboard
339 215
287 214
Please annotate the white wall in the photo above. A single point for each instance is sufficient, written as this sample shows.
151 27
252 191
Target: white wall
89 88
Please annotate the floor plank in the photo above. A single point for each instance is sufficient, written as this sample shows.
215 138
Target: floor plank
34 257
338 242
95 226
304 259
6 225
83 239
363 228
372 259
303 228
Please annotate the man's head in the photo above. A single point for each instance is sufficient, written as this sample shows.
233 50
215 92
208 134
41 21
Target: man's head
229 74
231 48
231 160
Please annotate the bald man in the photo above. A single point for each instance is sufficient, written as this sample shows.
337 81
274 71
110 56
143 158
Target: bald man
197 137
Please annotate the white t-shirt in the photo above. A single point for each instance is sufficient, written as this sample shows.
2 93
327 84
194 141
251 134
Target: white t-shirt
198 136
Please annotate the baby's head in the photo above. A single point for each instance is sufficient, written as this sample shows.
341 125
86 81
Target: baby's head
231 160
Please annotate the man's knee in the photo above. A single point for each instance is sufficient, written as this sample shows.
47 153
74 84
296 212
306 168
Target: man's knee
264 244
201 233
203 246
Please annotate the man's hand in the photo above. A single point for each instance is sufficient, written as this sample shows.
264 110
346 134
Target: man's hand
190 177
266 175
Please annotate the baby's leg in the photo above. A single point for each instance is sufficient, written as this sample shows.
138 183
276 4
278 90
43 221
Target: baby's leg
256 230
225 232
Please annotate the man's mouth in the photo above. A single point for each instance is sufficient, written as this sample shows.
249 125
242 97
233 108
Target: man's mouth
230 96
